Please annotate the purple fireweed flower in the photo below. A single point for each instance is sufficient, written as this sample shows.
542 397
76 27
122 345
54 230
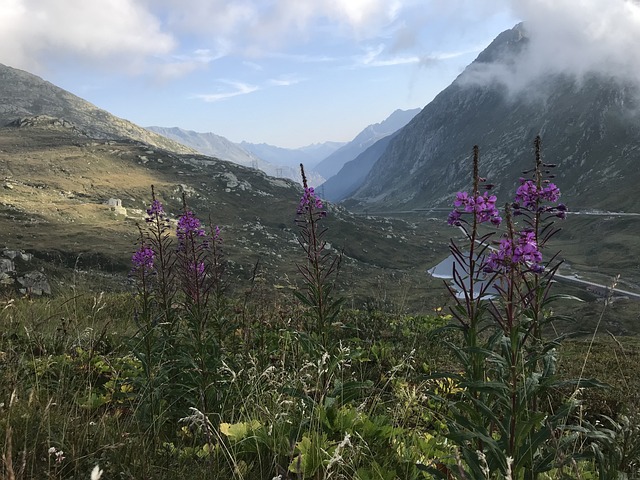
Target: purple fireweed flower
197 268
155 208
463 200
550 193
143 259
454 218
524 250
528 195
217 237
309 200
155 212
561 211
189 224
483 206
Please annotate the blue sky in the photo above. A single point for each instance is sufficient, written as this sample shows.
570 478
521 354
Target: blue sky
285 72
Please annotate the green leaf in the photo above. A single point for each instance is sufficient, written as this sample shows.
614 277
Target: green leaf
239 431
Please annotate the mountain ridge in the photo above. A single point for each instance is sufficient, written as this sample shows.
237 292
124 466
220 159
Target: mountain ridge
367 137
587 128
32 96
208 143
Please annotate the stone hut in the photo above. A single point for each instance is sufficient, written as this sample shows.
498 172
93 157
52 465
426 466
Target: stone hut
116 206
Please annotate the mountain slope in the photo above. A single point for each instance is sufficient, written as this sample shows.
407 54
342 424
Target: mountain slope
74 191
56 184
590 129
367 137
353 173
26 95
209 144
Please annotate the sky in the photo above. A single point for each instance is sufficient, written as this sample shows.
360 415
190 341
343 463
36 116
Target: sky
295 72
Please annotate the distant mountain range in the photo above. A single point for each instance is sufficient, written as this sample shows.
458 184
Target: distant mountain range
589 128
293 157
220 147
319 159
367 137
62 158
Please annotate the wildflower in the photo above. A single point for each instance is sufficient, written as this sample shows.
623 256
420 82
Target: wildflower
309 201
484 466
550 193
155 210
143 258
58 453
511 253
189 224
509 475
198 268
454 218
463 200
529 195
216 234
482 206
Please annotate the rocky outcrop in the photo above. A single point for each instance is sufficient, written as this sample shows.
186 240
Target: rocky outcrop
31 282
34 283
42 121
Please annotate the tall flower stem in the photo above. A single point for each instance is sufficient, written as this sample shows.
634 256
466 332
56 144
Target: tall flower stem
320 266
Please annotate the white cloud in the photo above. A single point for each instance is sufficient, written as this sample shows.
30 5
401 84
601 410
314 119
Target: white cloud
283 81
255 27
572 37
181 65
235 88
144 36
123 30
380 56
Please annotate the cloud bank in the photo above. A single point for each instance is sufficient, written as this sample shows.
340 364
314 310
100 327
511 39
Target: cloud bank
574 38
117 30
133 32
172 38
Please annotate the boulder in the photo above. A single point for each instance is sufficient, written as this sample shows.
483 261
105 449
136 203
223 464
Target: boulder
6 265
35 283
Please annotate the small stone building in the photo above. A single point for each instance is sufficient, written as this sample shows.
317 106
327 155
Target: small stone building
116 206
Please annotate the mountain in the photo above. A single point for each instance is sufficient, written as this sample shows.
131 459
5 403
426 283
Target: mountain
220 147
352 175
588 128
209 144
73 192
320 151
292 157
25 96
367 137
